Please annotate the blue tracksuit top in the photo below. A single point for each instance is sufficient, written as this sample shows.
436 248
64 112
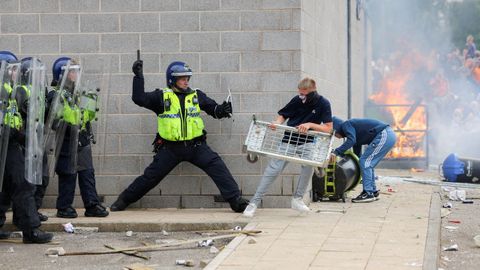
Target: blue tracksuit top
358 132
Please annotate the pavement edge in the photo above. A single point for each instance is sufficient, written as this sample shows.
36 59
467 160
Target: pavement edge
432 245
215 263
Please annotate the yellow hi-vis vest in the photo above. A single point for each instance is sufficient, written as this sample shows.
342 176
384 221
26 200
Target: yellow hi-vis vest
175 125
71 114
12 116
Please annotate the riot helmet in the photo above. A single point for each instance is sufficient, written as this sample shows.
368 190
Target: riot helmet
8 57
176 70
26 68
57 69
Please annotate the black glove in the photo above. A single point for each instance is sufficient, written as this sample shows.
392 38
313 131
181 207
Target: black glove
137 68
224 110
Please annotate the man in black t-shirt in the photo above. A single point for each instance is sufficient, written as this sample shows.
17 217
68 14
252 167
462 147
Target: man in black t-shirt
307 111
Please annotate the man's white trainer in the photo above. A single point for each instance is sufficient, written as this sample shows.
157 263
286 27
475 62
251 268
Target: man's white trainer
299 205
250 210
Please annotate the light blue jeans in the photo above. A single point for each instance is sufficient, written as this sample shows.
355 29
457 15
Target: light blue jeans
275 168
375 152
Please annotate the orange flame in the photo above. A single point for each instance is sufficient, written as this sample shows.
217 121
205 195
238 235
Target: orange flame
409 116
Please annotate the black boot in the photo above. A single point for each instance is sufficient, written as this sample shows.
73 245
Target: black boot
119 205
42 217
4 234
238 204
96 211
69 212
36 236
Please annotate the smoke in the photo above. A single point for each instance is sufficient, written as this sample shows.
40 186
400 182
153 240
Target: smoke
415 51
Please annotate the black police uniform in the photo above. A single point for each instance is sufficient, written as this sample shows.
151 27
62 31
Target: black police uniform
67 176
170 154
84 170
18 190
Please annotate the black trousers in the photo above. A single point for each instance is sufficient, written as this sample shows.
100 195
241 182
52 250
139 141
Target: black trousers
66 189
86 179
169 156
41 189
18 190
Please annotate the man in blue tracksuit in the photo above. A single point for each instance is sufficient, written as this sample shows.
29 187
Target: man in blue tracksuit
379 137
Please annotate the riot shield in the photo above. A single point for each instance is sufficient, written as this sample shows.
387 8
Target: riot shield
94 103
35 123
9 80
63 120
3 110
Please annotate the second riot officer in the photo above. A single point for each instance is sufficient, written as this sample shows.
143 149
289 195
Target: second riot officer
82 168
180 135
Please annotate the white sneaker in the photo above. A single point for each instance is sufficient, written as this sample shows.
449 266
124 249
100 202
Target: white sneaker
299 205
250 210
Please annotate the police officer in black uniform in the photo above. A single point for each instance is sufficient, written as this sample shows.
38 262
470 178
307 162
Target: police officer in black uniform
67 176
180 135
15 187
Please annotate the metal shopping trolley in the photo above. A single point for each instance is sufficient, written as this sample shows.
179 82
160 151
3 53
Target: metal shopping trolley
286 143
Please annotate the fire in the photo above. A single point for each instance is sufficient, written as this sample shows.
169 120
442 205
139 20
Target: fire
405 105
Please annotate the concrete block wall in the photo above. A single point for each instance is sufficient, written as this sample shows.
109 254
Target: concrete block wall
257 48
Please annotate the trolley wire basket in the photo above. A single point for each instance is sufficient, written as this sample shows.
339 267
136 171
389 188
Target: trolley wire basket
286 143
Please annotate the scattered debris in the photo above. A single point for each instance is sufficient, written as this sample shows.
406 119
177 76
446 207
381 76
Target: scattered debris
205 243
252 240
208 234
477 240
453 247
455 221
81 230
185 262
391 190
138 266
55 251
214 250
204 263
165 241
165 233
447 205
451 228
11 250
413 264
418 236
17 234
445 212
445 258
131 253
68 228
237 228
53 255
457 195
442 183
129 233
159 247
343 211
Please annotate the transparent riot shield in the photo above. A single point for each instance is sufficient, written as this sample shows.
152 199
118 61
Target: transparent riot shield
63 120
9 79
94 103
35 123
3 109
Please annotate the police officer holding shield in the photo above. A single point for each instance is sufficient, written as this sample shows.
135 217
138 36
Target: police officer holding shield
75 157
22 150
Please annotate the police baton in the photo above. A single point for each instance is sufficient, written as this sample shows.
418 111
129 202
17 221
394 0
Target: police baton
229 99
